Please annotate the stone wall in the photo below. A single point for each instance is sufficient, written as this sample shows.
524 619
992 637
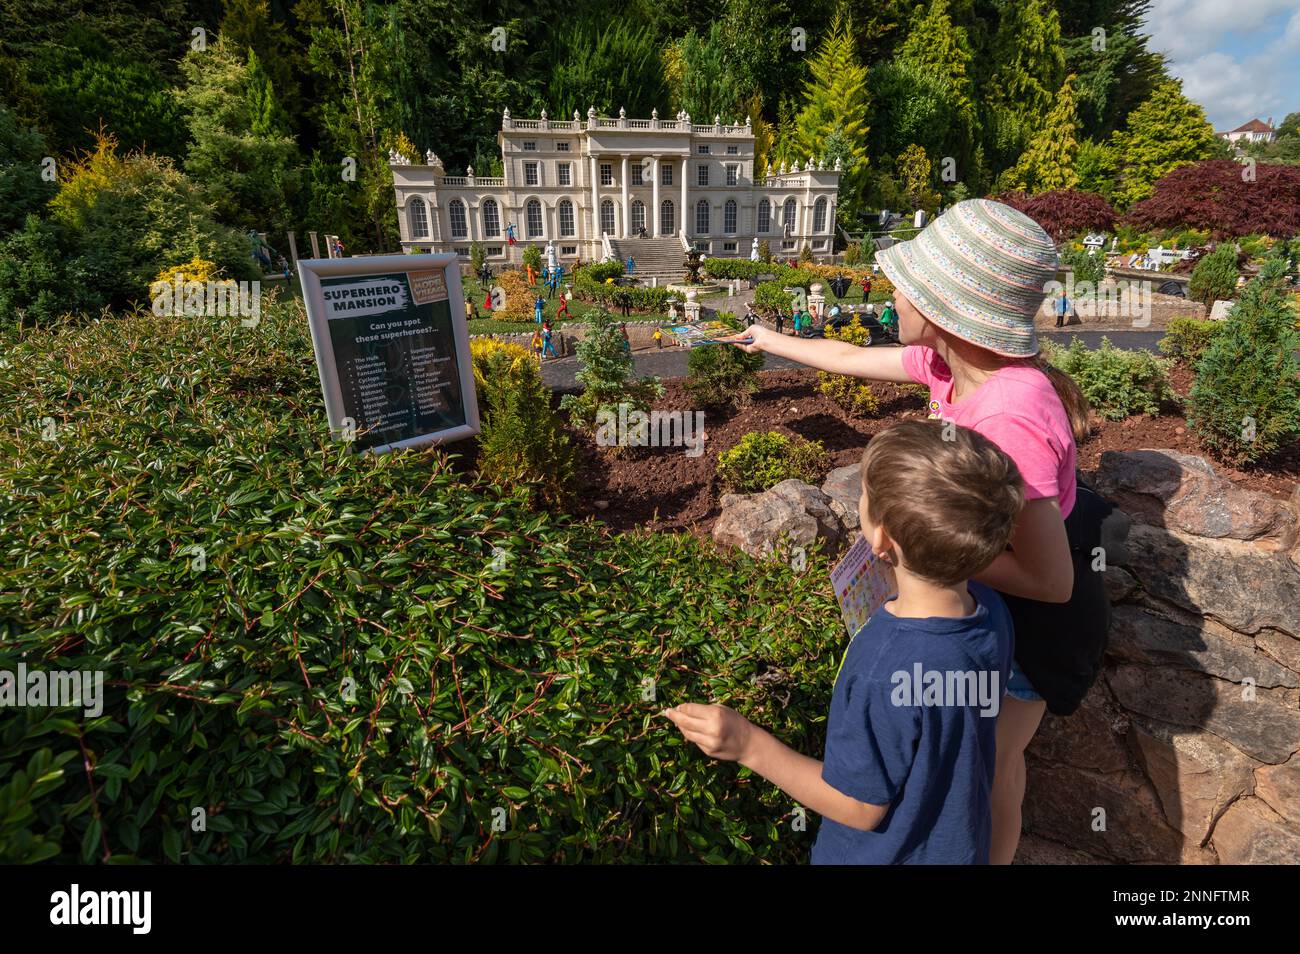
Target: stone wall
1187 750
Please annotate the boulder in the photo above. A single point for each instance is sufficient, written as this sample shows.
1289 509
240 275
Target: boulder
1120 583
843 486
1251 833
1279 647
1279 786
1089 738
792 511
1195 774
1242 586
1265 726
1167 488
1142 637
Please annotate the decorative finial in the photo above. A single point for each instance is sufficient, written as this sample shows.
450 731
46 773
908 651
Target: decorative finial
621 113
591 112
654 114
505 114
577 116
469 171
543 112
717 120
838 164
747 122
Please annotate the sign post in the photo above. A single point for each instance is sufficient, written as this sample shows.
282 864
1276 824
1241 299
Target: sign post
392 349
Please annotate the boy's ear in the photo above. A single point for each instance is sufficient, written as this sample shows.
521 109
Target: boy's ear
882 543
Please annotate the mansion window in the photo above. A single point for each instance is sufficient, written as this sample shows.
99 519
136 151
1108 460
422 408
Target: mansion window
530 145
733 174
733 150
666 175
638 215
729 217
459 225
788 217
606 173
607 216
702 174
566 217
819 215
702 217
568 250
666 224
702 150
565 173
534 218
419 219
494 250
530 173
728 246
561 147
636 174
491 218
764 217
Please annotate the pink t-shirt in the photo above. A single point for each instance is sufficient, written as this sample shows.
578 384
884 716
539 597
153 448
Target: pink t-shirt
1017 409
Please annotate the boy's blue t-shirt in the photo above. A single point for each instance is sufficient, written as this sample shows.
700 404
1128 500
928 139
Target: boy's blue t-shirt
901 736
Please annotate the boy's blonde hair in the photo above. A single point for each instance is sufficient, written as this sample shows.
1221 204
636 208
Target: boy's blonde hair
945 494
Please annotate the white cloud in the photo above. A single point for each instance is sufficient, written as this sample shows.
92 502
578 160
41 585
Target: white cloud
1187 28
1225 87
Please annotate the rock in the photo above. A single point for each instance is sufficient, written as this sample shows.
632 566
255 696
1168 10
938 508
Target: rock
1280 647
1142 637
1251 833
843 486
793 510
1167 488
1090 738
1195 774
1236 583
1120 584
1062 803
1265 727
1279 786
601 504
1044 851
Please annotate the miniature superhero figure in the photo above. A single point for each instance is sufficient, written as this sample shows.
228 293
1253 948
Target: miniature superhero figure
548 347
563 310
510 233
487 301
537 308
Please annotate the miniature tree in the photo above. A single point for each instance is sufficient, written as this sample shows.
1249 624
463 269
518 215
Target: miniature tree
606 367
1247 388
721 375
1215 275
476 258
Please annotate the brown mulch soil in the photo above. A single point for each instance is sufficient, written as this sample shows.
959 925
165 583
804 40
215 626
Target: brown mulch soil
664 489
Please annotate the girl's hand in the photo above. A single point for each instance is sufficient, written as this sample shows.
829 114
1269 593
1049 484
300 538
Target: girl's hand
752 340
721 733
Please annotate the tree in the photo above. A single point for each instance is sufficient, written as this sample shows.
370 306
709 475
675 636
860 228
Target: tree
1215 275
1105 47
941 52
1224 198
1244 401
1030 66
835 104
239 157
910 104
1165 132
705 83
913 169
610 63
1048 161
606 367
23 190
1096 165
1064 212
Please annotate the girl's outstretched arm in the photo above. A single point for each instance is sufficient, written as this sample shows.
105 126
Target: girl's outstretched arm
1038 566
838 357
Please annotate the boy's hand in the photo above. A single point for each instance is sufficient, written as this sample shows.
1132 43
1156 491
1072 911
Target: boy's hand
721 733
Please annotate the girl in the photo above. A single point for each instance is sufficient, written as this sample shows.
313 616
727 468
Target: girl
967 290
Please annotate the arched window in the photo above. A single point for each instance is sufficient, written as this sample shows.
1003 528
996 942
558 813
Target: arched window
764 216
638 215
418 218
819 215
702 217
729 217
534 209
566 217
459 224
491 218
666 223
607 216
788 216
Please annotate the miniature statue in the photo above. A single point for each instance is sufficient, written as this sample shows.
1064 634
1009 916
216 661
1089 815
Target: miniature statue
694 262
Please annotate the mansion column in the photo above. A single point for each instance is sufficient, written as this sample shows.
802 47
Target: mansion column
595 199
625 228
652 225
684 220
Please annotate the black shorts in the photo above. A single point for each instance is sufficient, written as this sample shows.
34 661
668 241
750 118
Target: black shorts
1059 646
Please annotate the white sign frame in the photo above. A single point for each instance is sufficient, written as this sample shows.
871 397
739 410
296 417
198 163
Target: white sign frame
310 273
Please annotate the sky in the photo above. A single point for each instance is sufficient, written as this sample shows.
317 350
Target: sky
1240 59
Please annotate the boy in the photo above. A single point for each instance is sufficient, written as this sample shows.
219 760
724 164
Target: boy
910 739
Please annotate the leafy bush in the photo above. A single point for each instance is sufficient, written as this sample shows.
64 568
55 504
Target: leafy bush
533 257
805 254
1064 212
40 280
522 443
760 461
1245 402
608 296
606 367
1084 266
1215 196
597 272
1186 338
518 298
516 682
720 375
765 251
1215 276
1116 383
769 295
23 190
852 253
853 394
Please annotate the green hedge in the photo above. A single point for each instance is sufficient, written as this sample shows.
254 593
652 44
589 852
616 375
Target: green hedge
726 268
510 679
1186 339
1117 383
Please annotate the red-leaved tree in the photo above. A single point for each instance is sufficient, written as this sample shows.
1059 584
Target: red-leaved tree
1064 212
1225 198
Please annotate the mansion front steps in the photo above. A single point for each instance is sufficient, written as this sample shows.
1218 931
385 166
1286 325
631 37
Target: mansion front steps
661 258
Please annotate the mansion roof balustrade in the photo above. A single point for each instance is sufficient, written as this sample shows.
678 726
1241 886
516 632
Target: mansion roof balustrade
681 124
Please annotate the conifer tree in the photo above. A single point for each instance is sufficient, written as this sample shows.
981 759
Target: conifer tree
1030 67
1165 132
1048 162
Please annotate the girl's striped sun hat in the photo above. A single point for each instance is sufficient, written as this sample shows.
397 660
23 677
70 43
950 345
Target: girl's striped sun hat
978 271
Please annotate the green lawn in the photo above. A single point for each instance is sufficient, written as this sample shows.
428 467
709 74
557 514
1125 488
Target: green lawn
580 311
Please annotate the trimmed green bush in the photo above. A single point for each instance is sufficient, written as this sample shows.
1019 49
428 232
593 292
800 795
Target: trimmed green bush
1116 383
723 375
853 394
1186 338
605 374
760 461
597 272
190 530
1085 267
1245 403
772 295
1215 275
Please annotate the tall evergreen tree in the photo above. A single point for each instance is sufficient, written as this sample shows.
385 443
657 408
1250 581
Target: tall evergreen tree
1048 162
1165 132
938 48
1030 66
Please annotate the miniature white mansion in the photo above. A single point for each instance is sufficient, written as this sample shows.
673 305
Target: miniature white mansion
591 187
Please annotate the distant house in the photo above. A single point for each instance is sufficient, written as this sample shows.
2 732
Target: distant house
1253 131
